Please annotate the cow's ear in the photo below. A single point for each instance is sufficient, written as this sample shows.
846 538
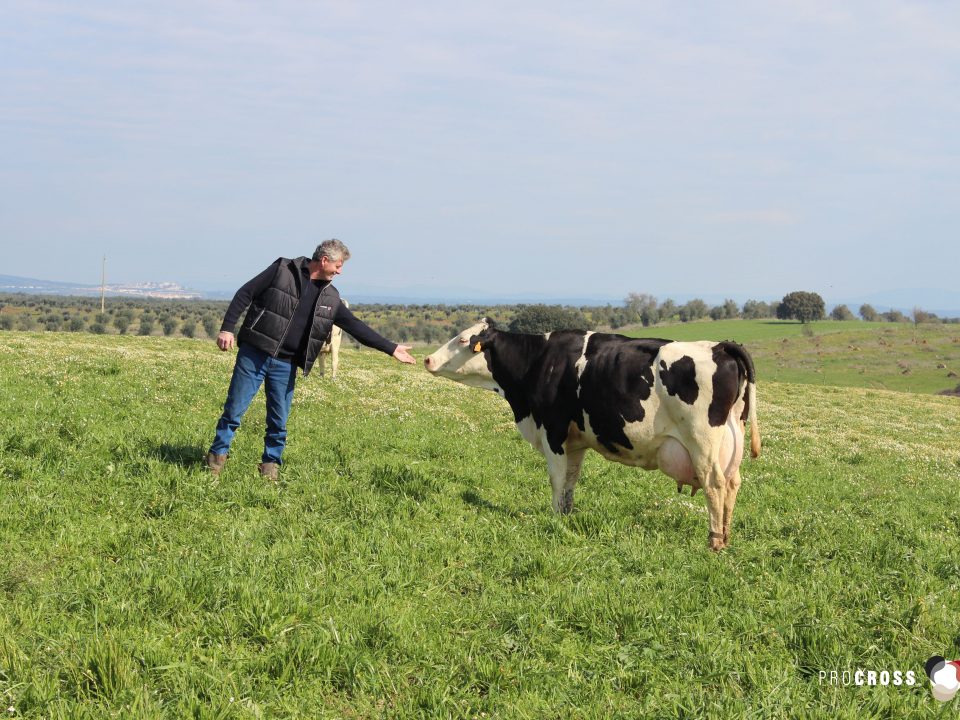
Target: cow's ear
477 346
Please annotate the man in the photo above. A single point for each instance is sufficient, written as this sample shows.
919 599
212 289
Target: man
292 308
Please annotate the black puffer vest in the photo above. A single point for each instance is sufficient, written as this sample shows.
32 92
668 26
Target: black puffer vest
272 310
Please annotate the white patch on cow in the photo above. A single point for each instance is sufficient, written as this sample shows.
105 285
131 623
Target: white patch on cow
581 363
530 432
702 354
731 451
644 436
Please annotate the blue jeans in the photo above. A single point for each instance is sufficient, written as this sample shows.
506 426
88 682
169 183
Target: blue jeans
253 369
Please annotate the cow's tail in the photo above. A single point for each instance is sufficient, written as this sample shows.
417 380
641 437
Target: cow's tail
754 428
750 396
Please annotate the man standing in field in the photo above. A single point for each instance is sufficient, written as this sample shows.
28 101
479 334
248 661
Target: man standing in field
292 308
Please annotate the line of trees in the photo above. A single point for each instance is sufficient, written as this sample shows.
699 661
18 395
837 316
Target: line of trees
430 324
121 317
808 306
643 309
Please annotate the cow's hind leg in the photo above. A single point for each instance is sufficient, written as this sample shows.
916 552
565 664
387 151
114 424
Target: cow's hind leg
731 454
564 473
729 500
714 486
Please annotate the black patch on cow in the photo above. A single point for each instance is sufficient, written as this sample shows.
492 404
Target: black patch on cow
509 357
746 368
618 377
681 379
539 379
726 385
551 385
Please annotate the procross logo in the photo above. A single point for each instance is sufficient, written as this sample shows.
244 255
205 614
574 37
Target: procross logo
868 678
944 677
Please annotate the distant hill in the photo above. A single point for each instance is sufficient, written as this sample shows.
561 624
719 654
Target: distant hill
13 283
169 290
944 303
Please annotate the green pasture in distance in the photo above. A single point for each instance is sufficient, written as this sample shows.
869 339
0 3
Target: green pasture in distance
749 331
891 356
408 564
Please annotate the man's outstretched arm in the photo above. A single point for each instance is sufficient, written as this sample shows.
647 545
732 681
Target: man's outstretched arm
365 335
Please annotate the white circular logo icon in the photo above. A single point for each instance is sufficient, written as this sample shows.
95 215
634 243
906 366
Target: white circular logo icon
944 677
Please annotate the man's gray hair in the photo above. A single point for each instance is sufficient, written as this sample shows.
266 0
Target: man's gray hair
332 249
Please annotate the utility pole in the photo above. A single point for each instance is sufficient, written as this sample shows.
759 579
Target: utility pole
103 281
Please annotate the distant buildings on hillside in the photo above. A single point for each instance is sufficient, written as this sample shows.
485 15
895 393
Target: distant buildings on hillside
166 290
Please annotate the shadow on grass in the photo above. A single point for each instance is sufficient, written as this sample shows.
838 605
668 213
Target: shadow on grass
187 456
472 497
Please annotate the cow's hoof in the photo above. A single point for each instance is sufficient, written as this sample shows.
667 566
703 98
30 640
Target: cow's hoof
566 504
716 542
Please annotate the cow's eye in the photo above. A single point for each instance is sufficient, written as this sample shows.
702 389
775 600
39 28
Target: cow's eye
464 341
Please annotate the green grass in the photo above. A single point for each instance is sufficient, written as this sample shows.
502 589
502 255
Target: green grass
752 331
409 565
890 356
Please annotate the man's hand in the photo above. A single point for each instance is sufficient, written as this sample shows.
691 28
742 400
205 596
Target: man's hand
225 340
402 354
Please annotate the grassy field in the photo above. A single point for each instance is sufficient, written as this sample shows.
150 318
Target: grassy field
408 564
889 356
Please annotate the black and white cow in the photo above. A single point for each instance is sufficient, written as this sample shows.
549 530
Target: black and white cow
676 406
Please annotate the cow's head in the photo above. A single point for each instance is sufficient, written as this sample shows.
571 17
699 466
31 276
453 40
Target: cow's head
462 358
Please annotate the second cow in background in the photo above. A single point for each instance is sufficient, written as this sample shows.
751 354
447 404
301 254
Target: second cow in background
332 348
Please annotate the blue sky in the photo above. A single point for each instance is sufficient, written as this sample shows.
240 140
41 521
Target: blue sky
740 149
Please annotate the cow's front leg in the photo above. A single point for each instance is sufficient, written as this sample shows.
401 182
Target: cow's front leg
574 461
557 468
564 469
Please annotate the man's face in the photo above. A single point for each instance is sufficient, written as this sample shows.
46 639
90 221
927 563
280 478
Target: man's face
329 269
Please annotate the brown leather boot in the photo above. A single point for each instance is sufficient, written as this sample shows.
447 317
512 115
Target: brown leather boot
215 463
269 470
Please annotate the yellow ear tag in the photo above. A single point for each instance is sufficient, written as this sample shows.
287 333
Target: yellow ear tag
476 348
